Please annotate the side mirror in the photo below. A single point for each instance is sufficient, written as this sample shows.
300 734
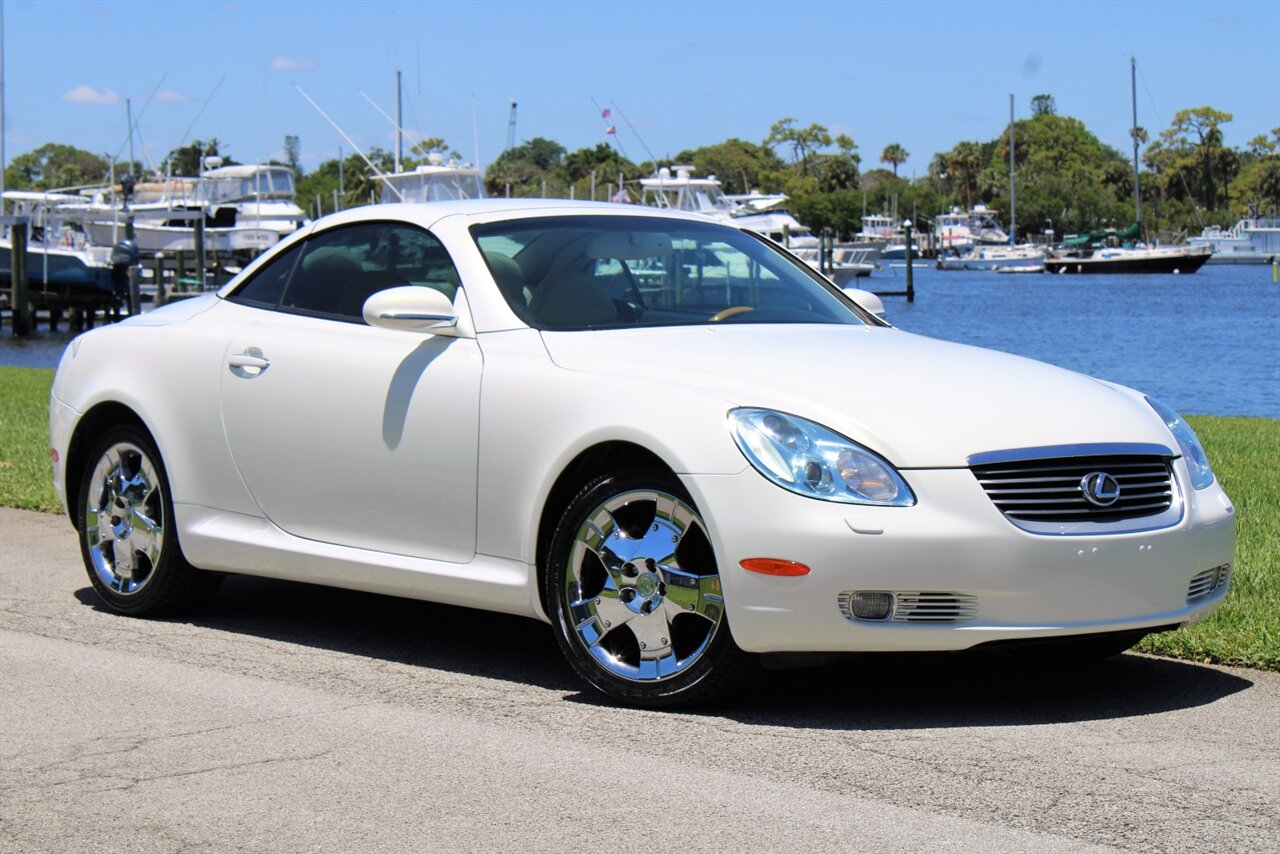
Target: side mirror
866 299
412 308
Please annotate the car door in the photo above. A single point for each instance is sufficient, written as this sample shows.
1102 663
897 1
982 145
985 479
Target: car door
343 432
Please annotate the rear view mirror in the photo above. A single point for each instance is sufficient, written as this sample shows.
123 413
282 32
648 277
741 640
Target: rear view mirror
866 300
412 308
628 245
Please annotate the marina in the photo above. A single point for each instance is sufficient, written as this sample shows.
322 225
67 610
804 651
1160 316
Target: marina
1084 323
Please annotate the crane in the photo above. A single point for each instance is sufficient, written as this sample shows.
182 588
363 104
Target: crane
511 126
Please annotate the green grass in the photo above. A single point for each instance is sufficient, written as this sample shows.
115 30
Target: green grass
1244 631
26 477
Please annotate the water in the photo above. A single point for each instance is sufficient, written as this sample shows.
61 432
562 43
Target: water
1206 344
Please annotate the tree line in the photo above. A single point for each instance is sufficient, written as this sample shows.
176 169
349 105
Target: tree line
1066 179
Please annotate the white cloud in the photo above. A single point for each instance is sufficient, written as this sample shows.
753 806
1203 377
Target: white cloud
284 63
83 94
171 96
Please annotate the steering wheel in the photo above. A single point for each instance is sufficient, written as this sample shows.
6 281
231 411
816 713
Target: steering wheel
730 312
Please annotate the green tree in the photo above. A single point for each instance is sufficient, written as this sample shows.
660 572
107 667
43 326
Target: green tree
895 154
53 166
804 142
838 171
741 166
1191 158
525 167
189 159
1043 105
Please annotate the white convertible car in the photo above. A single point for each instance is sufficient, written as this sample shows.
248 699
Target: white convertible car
664 435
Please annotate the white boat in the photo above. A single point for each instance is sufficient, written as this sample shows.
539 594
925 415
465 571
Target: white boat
254 196
959 231
1252 240
433 181
245 210
993 258
1019 268
680 191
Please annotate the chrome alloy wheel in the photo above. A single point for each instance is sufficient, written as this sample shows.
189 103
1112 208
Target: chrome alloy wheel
124 518
635 608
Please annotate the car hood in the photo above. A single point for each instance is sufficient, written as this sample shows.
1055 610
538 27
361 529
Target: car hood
921 402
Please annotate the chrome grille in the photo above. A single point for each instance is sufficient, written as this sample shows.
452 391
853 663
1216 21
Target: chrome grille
1209 581
934 607
1049 490
914 606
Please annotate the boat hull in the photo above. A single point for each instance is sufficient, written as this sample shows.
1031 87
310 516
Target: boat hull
62 272
1180 262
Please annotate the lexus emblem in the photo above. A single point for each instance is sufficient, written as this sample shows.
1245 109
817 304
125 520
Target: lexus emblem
1100 489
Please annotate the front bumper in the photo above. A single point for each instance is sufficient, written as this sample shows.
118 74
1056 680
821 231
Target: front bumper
952 541
62 420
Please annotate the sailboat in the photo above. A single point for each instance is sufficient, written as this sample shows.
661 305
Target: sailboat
1112 251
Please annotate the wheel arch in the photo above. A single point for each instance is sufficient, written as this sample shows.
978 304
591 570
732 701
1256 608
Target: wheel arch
599 459
100 417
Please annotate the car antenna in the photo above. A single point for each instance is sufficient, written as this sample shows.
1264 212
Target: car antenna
376 171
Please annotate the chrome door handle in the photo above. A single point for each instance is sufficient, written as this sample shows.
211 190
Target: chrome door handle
249 364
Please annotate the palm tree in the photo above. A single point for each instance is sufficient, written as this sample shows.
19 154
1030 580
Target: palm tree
895 154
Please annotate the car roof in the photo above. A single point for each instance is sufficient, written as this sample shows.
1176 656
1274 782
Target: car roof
427 214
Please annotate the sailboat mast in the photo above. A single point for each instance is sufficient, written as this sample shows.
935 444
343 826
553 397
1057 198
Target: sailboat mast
1133 94
399 124
1013 210
2 160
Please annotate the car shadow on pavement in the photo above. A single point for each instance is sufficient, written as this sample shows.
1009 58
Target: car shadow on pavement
890 691
885 691
385 628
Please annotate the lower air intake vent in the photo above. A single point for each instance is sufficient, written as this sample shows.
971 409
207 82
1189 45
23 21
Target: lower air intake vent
917 607
1209 581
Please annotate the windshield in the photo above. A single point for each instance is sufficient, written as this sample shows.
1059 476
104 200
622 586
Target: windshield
432 187
608 272
276 183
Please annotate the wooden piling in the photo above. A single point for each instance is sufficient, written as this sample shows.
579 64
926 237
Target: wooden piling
18 276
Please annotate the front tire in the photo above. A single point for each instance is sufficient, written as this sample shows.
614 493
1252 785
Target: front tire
128 538
635 595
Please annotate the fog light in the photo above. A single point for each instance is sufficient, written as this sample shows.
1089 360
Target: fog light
871 604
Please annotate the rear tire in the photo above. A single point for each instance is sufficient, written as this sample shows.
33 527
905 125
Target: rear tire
635 595
128 538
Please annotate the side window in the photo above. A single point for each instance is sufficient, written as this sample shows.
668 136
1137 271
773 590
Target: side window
343 267
267 285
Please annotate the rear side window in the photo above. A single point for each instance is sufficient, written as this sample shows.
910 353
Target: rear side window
334 272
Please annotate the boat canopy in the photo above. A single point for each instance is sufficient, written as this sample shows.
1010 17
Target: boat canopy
1091 237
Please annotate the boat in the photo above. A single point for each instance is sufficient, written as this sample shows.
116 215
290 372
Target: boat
681 191
959 231
433 181
1021 268
257 196
897 251
1128 259
993 258
60 258
1252 240
1113 251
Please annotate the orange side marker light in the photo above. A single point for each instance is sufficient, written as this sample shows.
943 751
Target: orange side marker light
773 566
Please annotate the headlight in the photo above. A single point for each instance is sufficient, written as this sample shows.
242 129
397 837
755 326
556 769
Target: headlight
1188 443
811 460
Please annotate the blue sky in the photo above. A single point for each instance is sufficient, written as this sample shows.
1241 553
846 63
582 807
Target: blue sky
925 75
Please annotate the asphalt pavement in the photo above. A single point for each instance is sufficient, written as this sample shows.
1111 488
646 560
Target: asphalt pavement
286 717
